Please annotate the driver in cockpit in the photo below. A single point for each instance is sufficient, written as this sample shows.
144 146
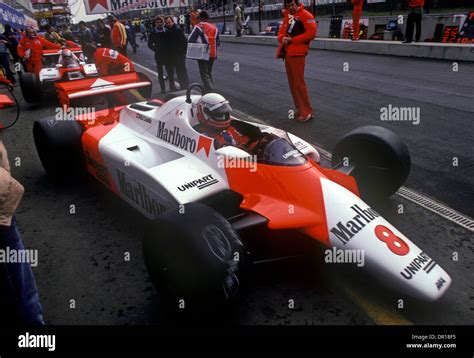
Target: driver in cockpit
213 114
68 59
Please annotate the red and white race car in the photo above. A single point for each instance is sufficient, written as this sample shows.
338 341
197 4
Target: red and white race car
76 82
202 200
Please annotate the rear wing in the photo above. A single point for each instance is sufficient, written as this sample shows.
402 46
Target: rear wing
75 50
92 87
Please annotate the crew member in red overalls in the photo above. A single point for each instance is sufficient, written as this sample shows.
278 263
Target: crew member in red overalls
297 31
356 14
111 62
31 47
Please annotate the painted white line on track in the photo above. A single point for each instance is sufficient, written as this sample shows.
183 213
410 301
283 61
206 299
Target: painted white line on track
146 69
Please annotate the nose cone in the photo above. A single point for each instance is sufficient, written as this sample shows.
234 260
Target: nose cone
388 254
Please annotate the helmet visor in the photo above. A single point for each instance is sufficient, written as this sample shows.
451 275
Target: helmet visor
219 112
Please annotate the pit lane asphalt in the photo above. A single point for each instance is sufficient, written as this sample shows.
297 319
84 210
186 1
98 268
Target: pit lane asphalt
82 255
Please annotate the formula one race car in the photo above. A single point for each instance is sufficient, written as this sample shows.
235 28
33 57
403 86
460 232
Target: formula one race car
72 79
202 199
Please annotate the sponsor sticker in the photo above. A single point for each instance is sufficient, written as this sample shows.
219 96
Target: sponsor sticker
201 183
345 231
174 137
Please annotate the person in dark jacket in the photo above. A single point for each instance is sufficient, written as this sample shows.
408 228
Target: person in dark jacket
86 39
12 38
158 43
178 48
103 33
131 35
85 35
5 58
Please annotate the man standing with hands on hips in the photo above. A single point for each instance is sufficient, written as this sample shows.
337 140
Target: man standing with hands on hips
295 34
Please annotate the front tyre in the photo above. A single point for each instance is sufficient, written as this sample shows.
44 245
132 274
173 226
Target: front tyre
195 259
30 87
376 157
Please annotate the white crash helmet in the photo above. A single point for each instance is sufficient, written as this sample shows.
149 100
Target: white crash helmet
213 111
68 58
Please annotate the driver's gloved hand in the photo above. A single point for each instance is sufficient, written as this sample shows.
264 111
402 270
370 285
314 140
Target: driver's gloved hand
229 140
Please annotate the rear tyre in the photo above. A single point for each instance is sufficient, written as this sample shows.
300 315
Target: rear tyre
196 261
59 147
380 160
30 87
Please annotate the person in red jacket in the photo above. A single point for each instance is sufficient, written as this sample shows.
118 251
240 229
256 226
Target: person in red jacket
206 33
31 47
415 14
119 35
356 14
111 62
297 31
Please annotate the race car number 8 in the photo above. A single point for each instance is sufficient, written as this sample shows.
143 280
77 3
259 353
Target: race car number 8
394 243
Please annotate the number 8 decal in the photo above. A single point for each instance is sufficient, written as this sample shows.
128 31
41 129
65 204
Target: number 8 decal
394 243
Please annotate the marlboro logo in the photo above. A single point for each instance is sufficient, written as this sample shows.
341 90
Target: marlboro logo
346 231
139 194
174 137
94 3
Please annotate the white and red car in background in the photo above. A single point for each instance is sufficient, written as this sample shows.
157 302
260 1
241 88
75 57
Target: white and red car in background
79 84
